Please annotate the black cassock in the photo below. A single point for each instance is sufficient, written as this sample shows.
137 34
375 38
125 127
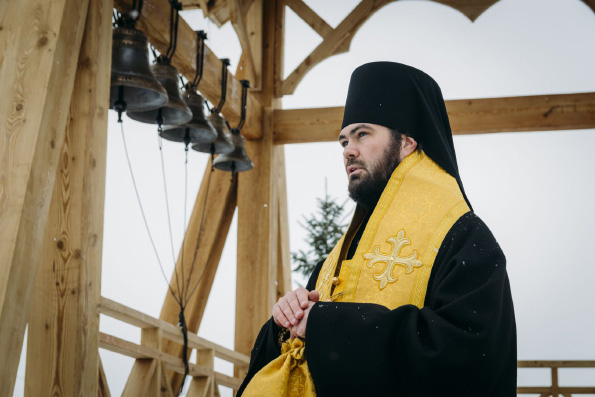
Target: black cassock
461 343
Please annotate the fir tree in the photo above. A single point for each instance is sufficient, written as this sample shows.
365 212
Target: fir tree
325 228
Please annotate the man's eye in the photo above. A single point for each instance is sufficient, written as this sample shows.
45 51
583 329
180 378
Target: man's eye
362 134
343 143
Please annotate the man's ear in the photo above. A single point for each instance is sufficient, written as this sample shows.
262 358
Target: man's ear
408 146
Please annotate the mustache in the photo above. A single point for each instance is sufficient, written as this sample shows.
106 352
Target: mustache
353 161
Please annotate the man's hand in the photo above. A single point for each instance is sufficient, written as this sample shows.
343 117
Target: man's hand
289 310
300 329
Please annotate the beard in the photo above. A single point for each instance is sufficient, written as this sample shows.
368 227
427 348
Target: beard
367 187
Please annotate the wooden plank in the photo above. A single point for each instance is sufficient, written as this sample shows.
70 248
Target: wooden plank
470 8
63 333
202 386
334 41
283 256
467 116
40 44
253 22
237 21
170 331
256 238
279 50
166 390
548 390
139 382
590 4
153 23
103 388
557 364
309 16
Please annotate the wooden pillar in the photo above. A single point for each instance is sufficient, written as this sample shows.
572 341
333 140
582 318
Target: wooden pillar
217 197
258 205
40 43
283 256
63 336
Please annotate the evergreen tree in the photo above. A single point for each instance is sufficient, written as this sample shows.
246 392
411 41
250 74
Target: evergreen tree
324 231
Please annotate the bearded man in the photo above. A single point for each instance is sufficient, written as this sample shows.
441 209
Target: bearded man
414 300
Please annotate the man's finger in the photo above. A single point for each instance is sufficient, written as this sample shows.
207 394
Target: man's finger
287 310
279 317
314 296
294 304
302 296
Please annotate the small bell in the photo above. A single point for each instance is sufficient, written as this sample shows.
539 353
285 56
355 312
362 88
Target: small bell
133 86
175 112
197 130
237 160
222 144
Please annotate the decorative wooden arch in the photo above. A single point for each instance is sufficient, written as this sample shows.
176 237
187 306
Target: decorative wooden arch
55 73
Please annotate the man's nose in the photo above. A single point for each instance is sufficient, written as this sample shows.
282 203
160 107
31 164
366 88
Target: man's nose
350 150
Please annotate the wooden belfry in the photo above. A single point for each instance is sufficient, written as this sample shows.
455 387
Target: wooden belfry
55 78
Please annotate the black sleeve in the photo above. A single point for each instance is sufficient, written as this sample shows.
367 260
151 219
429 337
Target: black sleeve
266 348
461 343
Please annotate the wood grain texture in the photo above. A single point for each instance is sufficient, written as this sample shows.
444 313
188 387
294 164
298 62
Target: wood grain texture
40 43
63 333
309 16
153 23
253 22
283 253
467 116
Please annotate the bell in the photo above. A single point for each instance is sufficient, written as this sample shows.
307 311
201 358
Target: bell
222 144
237 160
133 85
175 112
197 130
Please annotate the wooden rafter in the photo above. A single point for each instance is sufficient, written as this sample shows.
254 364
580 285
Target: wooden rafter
63 333
237 20
153 23
467 116
40 44
590 4
309 16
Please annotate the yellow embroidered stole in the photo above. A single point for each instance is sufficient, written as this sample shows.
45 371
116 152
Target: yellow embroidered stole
395 255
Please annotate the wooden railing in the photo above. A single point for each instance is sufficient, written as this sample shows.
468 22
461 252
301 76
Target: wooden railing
204 378
555 389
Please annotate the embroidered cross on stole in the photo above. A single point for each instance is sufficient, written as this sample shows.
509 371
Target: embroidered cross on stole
395 255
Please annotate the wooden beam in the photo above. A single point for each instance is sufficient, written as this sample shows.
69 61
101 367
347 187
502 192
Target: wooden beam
334 42
472 9
283 256
63 333
40 44
309 16
237 21
590 4
202 386
153 23
103 388
253 26
219 194
557 364
467 116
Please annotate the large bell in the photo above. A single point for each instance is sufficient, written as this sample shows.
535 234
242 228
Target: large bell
237 160
222 144
132 82
175 112
197 130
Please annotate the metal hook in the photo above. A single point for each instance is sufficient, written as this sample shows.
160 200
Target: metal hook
225 64
174 18
200 55
245 86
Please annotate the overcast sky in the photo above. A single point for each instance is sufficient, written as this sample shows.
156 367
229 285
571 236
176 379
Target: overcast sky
534 190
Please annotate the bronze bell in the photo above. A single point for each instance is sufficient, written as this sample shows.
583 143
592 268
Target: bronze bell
237 160
197 130
222 144
132 82
175 112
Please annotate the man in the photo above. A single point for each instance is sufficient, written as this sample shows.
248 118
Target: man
414 300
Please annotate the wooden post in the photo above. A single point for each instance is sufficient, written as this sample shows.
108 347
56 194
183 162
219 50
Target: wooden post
219 194
63 335
203 386
40 44
283 256
258 205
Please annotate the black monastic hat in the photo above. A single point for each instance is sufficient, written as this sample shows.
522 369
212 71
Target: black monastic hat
406 99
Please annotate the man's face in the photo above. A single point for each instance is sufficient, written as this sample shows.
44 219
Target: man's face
370 155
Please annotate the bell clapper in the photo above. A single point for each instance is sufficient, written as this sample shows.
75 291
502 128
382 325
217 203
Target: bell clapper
120 104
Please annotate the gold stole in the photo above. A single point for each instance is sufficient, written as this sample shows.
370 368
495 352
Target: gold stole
395 255
391 265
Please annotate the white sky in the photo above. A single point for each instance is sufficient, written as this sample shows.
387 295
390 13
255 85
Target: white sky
534 190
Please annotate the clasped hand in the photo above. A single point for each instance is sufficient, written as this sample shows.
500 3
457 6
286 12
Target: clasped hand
291 311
